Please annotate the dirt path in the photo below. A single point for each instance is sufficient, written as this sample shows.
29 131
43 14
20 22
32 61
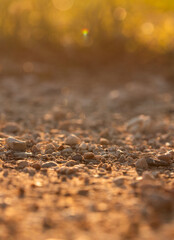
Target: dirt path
112 179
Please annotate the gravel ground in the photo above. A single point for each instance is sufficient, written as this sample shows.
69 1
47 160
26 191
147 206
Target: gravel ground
84 158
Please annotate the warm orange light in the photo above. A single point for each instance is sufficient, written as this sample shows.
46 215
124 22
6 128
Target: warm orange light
85 32
63 5
120 13
147 28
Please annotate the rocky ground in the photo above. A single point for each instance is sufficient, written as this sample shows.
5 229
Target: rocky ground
86 157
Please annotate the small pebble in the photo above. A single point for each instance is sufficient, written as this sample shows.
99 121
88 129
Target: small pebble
11 127
72 140
59 114
50 148
166 157
67 150
19 155
83 192
104 141
141 164
36 166
77 157
22 164
30 171
49 164
89 155
119 181
139 123
16 145
83 146
35 149
5 173
71 163
147 176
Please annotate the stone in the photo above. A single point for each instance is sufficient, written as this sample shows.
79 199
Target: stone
11 127
49 151
83 192
71 163
19 155
166 157
50 148
89 155
56 154
30 171
77 157
35 149
22 164
16 145
160 202
36 166
83 146
157 163
119 181
59 114
140 123
67 150
72 140
49 164
5 173
147 176
141 164
104 141
62 170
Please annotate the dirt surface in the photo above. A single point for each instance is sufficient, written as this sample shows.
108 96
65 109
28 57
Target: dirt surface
86 158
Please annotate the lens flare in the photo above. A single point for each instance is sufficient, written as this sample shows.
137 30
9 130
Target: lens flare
85 32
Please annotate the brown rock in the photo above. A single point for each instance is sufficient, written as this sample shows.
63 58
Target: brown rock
35 149
16 145
50 148
166 157
11 127
77 157
36 166
147 176
30 171
104 141
89 155
49 164
71 163
72 140
139 123
141 164
22 164
59 114
21 155
119 181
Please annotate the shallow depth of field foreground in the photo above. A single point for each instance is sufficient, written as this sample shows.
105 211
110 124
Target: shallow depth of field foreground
86 120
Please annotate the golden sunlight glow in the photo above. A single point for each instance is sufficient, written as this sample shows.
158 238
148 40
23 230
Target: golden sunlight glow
147 28
71 22
63 5
120 13
85 32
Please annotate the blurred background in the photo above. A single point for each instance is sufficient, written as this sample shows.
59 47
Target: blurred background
88 34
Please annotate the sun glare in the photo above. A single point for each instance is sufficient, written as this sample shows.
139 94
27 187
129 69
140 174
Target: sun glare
85 32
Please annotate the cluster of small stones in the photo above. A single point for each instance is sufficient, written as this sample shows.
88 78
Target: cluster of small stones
82 171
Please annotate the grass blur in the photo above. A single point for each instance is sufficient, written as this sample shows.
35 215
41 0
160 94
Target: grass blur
70 26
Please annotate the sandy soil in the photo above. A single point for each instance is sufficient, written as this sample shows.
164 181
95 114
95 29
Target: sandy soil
86 157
